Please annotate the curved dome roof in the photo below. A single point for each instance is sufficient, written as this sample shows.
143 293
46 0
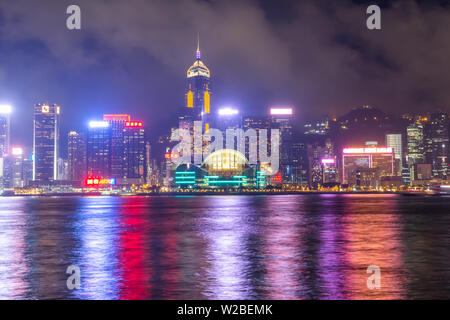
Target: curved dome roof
198 68
225 160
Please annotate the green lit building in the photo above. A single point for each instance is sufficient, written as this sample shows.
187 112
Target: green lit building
225 168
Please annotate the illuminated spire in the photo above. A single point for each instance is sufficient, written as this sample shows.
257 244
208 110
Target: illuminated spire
199 55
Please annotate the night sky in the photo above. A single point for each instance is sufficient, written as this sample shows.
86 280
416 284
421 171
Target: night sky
131 56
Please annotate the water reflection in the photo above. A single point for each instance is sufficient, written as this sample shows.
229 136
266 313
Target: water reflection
97 231
225 228
225 247
14 266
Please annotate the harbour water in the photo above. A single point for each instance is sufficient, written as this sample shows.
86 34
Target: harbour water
316 246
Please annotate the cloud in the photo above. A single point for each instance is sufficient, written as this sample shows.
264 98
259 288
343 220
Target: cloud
132 55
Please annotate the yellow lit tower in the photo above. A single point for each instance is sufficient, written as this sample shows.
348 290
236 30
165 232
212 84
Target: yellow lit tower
198 91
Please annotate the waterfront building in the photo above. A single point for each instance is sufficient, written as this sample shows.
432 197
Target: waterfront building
394 141
437 143
223 168
282 120
415 144
45 142
134 150
117 126
365 166
76 156
299 164
98 149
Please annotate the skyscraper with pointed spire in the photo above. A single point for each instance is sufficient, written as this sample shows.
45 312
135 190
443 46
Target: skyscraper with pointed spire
198 91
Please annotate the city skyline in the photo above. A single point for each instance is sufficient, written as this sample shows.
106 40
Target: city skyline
146 71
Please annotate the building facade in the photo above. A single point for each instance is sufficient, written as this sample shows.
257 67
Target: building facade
45 142
76 156
98 149
5 130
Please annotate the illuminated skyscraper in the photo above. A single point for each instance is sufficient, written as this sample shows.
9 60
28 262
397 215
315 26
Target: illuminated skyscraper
5 128
98 153
437 137
198 91
415 143
133 153
76 156
256 123
45 142
228 118
117 123
282 120
394 141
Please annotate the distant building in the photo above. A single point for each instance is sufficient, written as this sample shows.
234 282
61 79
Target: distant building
394 141
319 127
299 164
437 138
415 144
63 169
5 129
45 142
421 172
76 156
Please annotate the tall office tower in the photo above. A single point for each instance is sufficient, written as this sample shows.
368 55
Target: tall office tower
282 120
27 171
415 144
315 154
76 156
5 127
134 154
299 164
98 150
437 137
257 123
198 92
45 142
117 124
394 141
228 118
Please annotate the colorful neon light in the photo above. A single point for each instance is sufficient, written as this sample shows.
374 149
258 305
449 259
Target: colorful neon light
171 155
97 181
134 124
367 150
